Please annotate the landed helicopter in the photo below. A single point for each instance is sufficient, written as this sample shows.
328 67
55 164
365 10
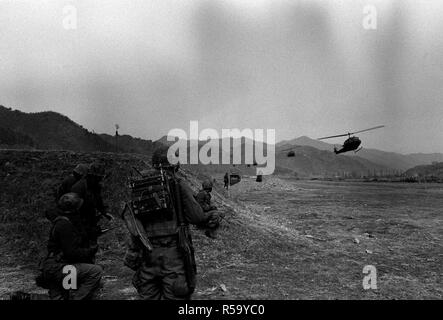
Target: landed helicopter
352 143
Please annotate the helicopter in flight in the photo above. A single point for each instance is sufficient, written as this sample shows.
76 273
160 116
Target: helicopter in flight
352 143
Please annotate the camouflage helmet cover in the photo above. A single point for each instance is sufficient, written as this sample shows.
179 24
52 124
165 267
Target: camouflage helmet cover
207 185
70 202
81 169
96 170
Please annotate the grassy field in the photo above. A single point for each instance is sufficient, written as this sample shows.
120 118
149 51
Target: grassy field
281 239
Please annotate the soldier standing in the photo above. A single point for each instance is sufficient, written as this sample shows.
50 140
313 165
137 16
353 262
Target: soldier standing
89 189
226 180
167 269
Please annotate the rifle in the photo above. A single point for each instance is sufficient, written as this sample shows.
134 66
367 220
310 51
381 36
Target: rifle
135 227
184 237
106 230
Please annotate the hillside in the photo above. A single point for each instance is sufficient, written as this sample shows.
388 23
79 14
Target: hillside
129 144
52 131
12 139
306 141
434 170
29 179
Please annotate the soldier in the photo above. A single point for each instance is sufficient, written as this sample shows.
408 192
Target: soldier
89 189
168 270
203 197
68 246
79 172
226 180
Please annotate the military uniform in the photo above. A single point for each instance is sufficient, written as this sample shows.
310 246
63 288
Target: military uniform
203 197
90 191
67 245
66 185
226 180
164 273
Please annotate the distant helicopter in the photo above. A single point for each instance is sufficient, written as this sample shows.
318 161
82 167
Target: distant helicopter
352 143
289 152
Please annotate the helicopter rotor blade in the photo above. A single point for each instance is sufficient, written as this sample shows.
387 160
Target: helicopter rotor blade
340 135
348 134
373 128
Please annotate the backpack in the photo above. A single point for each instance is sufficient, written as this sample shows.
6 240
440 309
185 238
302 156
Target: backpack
150 194
42 279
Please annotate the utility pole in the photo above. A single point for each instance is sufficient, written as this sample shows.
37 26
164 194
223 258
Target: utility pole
116 137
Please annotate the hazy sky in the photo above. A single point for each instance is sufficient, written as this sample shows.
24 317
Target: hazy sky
300 67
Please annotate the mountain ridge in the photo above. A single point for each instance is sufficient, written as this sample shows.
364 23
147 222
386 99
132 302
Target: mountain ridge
50 130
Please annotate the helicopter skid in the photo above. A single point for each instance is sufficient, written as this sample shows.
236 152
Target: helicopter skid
358 150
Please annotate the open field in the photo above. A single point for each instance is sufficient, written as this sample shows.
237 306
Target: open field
400 225
282 239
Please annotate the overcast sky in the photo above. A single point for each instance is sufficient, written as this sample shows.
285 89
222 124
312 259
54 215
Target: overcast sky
300 67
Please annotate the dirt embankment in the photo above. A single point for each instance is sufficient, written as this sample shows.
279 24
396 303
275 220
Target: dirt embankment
29 179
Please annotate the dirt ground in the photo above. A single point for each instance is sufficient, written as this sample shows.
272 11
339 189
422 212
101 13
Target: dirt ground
283 239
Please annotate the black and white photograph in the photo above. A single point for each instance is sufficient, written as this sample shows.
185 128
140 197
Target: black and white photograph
222 150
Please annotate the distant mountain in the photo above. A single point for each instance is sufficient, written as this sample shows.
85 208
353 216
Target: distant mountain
392 160
306 141
241 145
51 130
310 161
432 170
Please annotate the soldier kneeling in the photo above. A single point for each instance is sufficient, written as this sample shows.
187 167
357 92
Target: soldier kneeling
69 255
204 197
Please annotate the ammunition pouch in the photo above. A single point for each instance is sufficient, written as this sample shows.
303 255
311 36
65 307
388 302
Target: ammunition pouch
180 287
133 259
50 271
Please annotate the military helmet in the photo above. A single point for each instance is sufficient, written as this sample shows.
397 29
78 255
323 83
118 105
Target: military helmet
97 170
207 185
160 157
81 169
70 202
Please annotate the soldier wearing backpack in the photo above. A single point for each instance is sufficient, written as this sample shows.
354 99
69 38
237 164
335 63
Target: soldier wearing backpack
160 249
69 246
